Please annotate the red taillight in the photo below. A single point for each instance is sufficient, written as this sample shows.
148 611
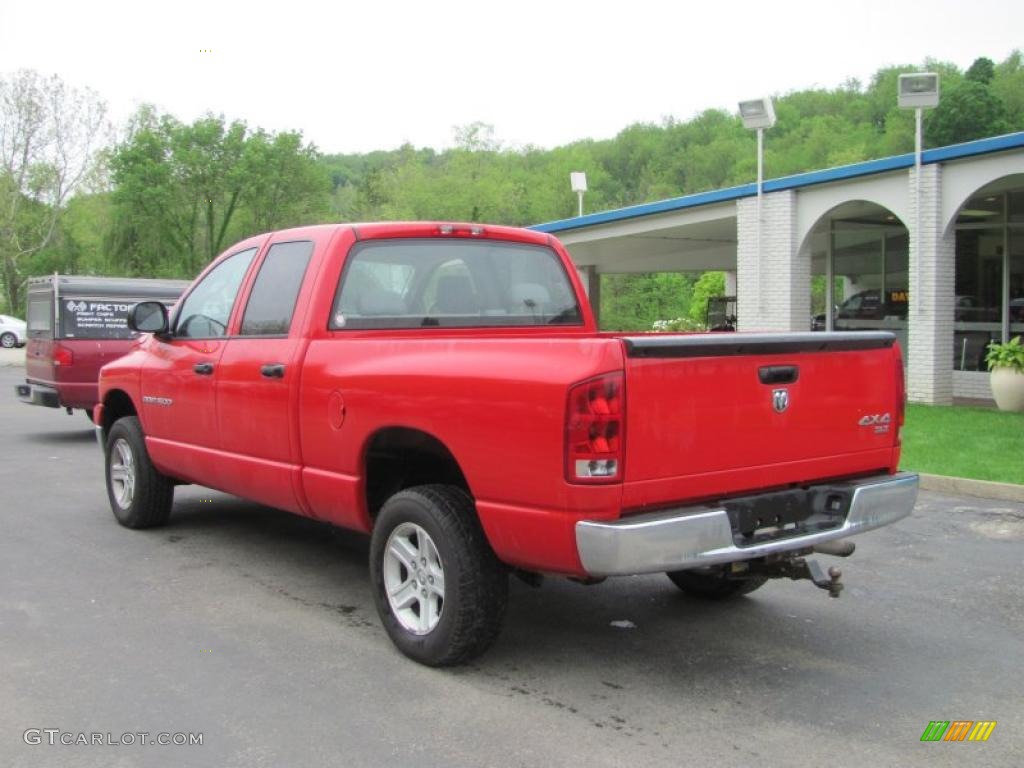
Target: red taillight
62 356
901 396
595 421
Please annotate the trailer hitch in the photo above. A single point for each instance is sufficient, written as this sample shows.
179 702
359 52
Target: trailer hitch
797 568
802 568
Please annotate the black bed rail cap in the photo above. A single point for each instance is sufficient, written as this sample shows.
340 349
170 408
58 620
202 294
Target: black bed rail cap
726 344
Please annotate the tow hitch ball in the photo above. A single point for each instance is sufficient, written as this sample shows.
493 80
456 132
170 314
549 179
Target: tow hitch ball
801 568
797 568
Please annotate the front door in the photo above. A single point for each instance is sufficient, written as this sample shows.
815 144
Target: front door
178 384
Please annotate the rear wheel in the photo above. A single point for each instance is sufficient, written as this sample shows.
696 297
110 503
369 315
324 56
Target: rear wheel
140 496
439 588
714 583
8 341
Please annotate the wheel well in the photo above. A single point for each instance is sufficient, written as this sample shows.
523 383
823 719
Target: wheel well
116 406
399 458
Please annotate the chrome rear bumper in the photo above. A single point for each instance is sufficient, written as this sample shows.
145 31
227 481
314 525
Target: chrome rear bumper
693 537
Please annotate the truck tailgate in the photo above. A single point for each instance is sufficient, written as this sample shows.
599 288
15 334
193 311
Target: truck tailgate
735 411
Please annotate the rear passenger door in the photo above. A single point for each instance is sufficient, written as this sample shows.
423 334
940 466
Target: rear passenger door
258 380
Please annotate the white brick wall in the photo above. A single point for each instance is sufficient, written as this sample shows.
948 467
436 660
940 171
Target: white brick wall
773 292
972 384
932 275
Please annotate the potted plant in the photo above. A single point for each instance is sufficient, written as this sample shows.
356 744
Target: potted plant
1006 362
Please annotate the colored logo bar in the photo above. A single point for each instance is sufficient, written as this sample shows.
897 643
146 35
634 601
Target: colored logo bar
958 730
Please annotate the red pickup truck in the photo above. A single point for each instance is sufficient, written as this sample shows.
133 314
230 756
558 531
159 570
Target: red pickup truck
444 388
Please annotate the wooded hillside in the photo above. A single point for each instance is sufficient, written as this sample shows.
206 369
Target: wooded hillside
167 196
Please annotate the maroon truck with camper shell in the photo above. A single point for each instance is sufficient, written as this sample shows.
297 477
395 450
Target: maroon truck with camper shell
75 326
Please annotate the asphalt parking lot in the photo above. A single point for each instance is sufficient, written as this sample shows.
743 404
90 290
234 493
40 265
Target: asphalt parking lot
257 630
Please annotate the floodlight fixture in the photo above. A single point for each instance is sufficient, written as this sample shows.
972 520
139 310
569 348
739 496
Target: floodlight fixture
757 113
578 182
917 90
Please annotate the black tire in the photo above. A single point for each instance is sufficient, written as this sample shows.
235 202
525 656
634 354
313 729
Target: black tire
88 414
8 341
148 501
714 583
474 582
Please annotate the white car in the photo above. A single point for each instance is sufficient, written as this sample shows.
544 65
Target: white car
13 332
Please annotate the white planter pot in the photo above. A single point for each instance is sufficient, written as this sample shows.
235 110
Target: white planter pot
1008 389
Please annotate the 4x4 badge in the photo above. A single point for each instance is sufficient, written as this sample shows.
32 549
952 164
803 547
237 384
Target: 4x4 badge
780 399
874 419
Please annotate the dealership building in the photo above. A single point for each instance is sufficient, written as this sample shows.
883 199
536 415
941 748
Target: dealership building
938 260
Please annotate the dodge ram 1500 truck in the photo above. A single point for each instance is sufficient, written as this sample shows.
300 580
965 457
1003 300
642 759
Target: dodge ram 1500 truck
445 389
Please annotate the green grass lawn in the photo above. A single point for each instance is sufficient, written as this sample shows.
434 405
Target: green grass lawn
980 443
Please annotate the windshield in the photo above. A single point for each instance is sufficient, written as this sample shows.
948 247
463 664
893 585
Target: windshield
453 284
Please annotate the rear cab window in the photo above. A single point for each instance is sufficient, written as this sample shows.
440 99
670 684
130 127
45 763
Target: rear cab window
441 283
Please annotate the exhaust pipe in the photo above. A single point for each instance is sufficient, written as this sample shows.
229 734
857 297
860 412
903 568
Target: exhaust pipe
840 548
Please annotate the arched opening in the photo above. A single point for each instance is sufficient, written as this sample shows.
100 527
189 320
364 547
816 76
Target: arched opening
859 255
989 275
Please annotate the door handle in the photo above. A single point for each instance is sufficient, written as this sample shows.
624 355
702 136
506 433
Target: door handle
272 370
203 369
778 374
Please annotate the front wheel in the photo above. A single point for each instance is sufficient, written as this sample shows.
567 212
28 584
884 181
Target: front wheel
714 583
8 341
438 587
140 496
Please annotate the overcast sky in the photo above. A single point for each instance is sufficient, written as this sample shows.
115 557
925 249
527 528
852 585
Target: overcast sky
373 75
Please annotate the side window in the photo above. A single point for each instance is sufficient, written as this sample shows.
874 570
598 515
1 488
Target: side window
272 302
40 317
204 313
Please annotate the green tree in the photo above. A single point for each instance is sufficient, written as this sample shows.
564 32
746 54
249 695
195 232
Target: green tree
1008 85
50 135
982 71
282 183
634 302
968 111
709 284
184 192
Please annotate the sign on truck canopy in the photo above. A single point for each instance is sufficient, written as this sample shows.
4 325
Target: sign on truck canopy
96 318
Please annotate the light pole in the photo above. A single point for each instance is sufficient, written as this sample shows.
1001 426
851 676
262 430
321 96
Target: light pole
758 114
578 181
917 91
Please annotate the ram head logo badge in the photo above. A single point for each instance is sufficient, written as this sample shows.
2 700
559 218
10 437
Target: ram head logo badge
780 400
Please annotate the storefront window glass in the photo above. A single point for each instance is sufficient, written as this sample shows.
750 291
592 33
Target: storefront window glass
989 303
870 263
